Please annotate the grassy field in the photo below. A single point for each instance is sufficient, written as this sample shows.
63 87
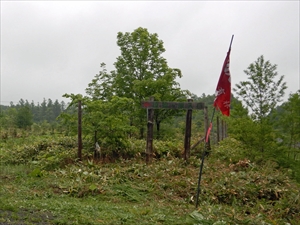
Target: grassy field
42 184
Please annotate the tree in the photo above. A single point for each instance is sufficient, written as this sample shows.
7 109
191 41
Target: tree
101 86
290 122
24 117
56 109
261 94
43 110
8 118
141 72
243 128
106 122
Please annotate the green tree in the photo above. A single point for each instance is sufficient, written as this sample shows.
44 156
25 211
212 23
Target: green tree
104 121
261 94
8 118
101 86
263 91
243 128
290 122
56 109
24 117
49 111
43 110
108 123
21 103
142 71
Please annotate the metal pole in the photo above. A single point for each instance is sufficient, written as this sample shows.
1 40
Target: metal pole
204 152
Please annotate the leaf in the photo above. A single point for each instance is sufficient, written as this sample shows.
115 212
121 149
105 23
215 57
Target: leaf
51 158
36 173
197 216
92 187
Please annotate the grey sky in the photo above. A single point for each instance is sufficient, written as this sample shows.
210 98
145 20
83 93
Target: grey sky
49 48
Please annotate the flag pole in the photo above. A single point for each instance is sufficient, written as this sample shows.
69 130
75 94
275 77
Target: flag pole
231 42
206 145
202 159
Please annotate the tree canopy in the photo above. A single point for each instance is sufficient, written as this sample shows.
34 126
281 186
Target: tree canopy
261 92
140 72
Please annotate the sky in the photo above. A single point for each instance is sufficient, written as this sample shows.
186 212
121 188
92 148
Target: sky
49 48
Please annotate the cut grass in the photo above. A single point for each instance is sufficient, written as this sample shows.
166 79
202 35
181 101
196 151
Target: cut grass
131 192
121 203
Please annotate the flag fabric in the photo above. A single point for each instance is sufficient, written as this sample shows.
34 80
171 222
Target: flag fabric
208 132
223 90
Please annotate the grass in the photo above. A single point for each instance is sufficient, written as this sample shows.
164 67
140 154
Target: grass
57 200
37 189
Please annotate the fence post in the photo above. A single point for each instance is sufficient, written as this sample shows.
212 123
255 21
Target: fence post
218 130
149 146
223 135
188 131
79 132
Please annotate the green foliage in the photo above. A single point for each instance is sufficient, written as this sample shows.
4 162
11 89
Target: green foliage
262 92
234 189
8 118
289 123
140 72
258 137
25 114
172 148
105 122
24 117
46 154
101 86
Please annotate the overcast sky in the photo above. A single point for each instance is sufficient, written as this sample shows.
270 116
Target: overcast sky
49 48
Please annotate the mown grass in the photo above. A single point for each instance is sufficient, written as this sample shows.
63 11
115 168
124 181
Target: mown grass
41 183
66 200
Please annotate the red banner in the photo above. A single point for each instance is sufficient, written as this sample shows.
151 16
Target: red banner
223 90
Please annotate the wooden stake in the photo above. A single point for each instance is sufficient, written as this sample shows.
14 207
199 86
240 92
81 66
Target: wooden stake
188 132
218 130
79 132
149 147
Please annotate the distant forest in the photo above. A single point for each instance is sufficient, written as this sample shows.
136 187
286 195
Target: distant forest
25 113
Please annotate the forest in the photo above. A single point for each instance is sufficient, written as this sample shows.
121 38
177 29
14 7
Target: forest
251 175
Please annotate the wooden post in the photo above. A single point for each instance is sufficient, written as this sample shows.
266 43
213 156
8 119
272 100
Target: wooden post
218 130
149 147
79 132
222 129
188 132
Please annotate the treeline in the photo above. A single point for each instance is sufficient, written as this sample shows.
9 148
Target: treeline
24 114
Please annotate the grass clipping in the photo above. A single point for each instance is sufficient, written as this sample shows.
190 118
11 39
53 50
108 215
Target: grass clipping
234 190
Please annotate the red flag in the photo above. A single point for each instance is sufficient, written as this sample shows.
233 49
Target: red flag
223 90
